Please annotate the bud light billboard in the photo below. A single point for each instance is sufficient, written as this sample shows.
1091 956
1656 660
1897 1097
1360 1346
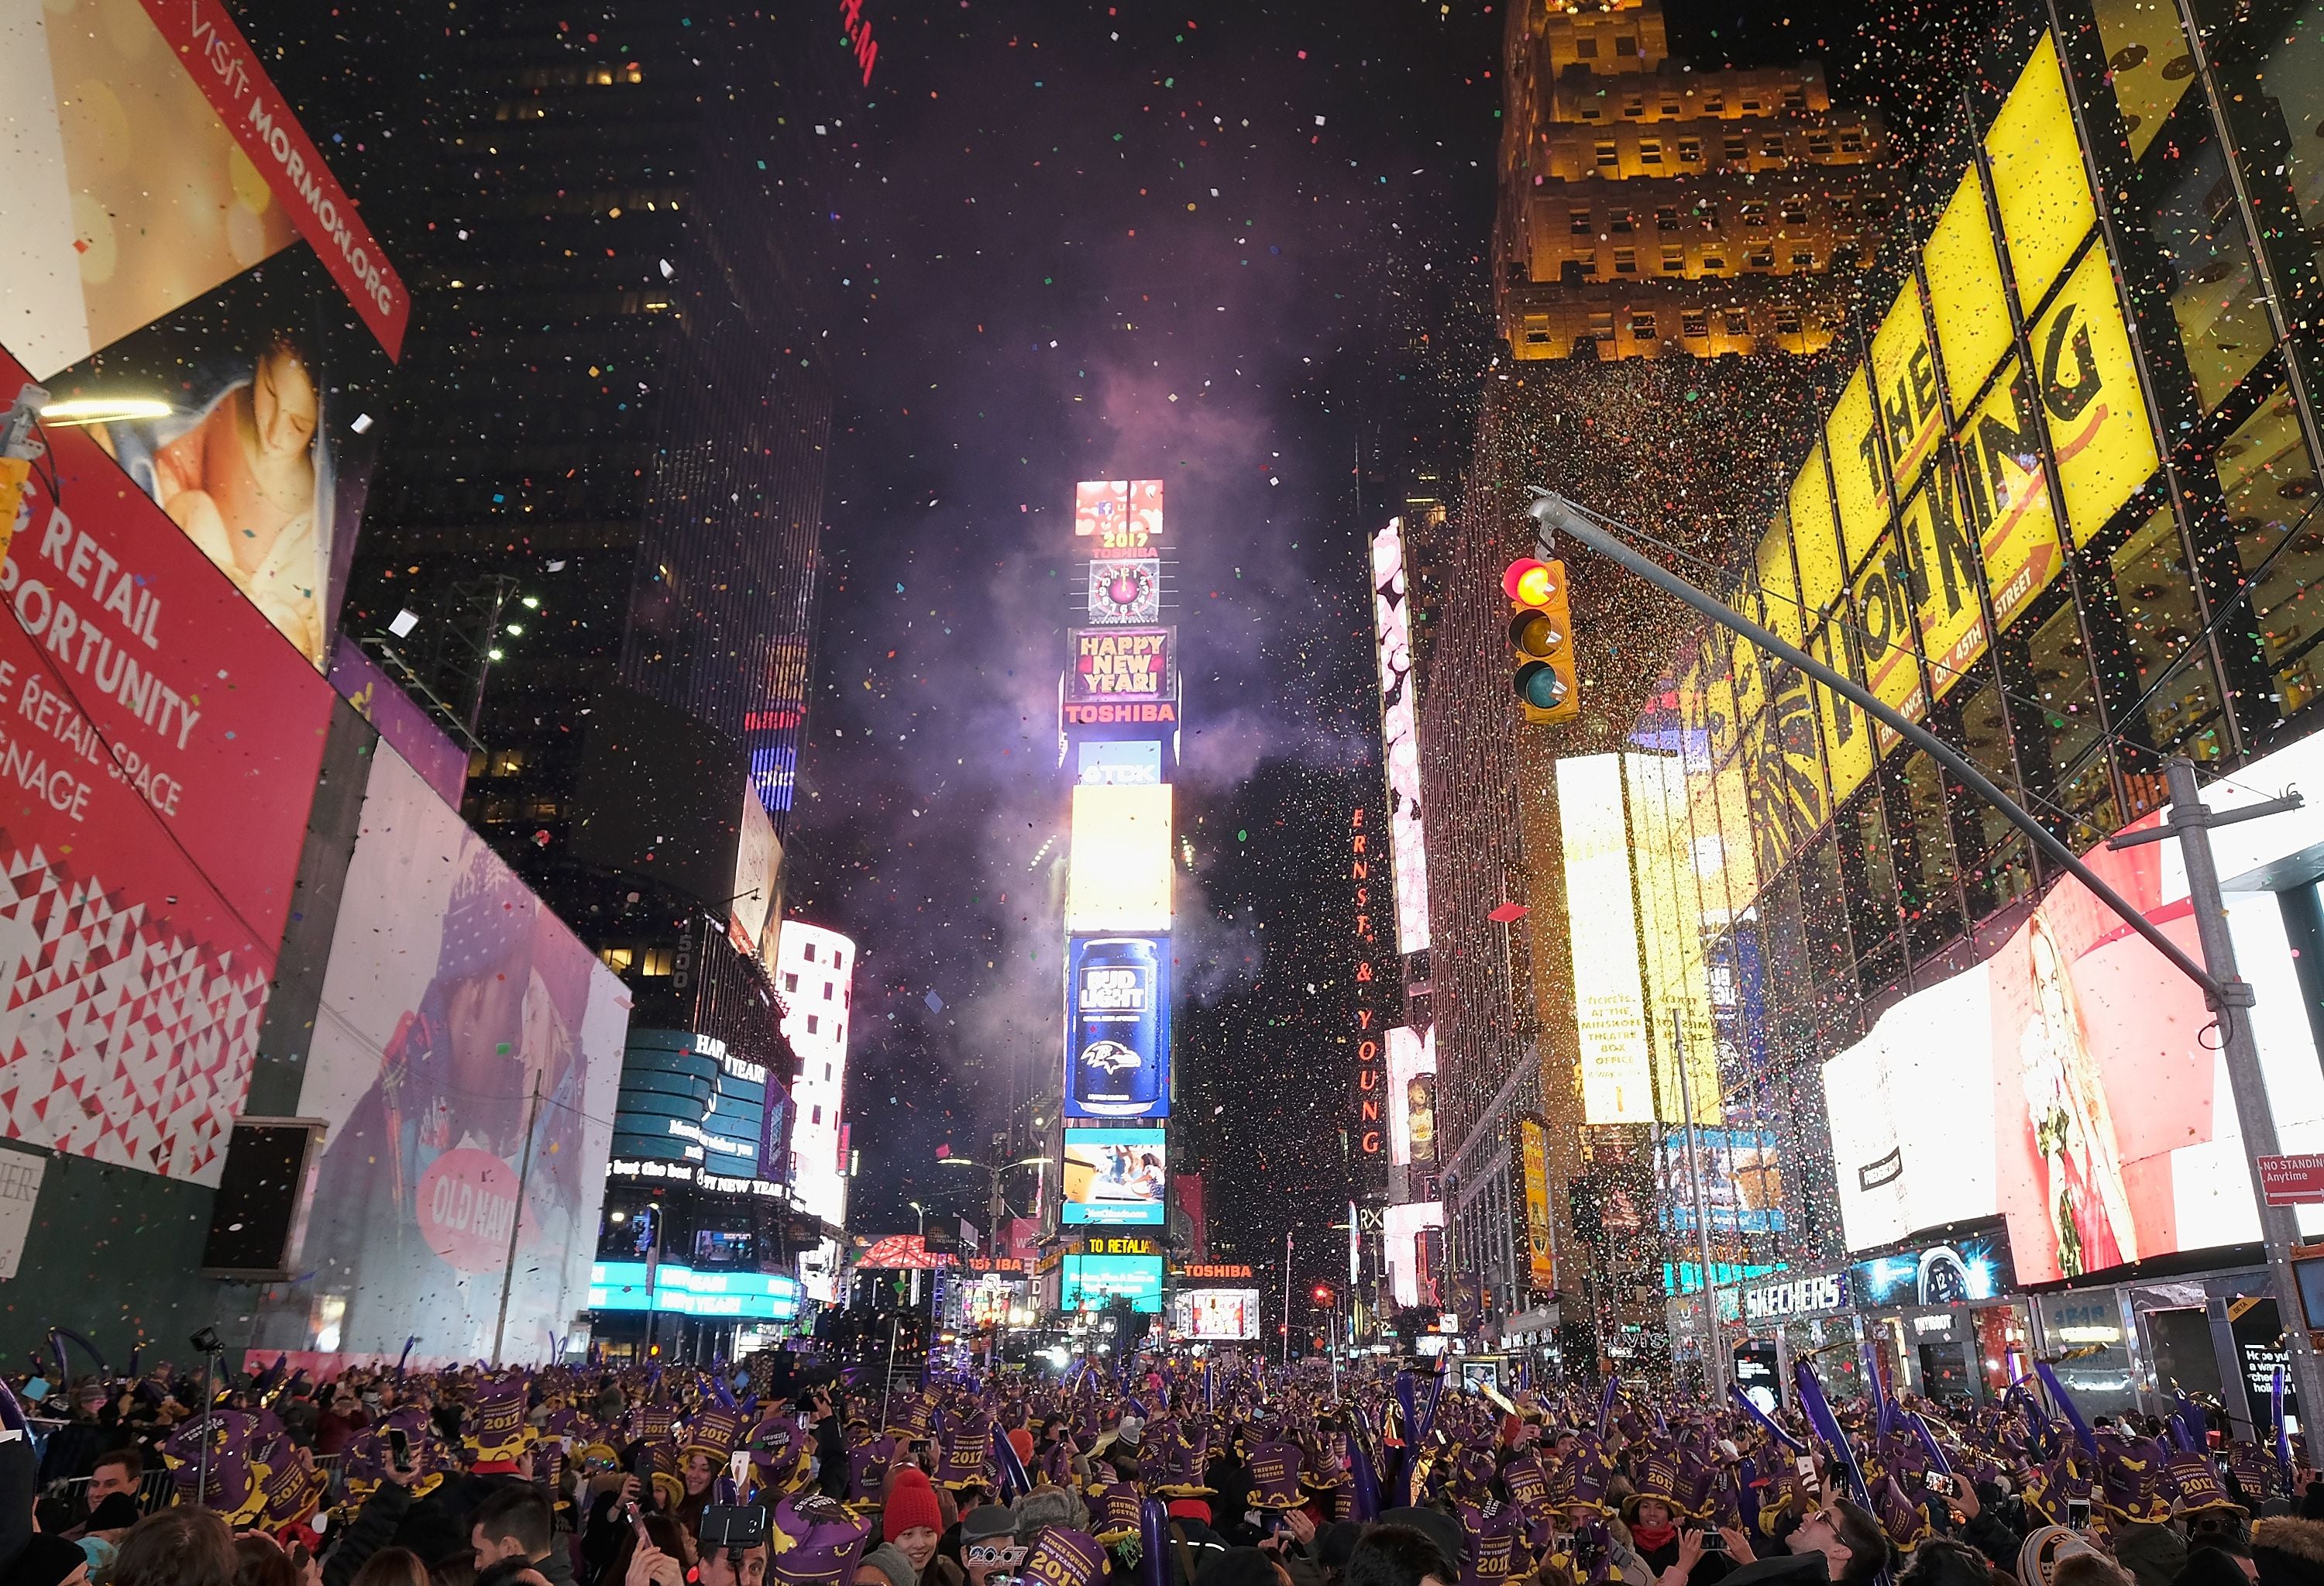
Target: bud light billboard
1117 1027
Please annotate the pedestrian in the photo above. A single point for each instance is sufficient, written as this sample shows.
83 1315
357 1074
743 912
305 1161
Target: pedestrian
183 1547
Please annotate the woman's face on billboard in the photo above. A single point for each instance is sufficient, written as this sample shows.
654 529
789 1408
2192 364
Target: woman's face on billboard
485 1011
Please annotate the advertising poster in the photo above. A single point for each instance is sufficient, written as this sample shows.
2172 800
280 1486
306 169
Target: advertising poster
1412 1274
399 719
1121 663
247 415
1541 1246
1972 1267
1742 1180
452 998
1221 1315
1400 736
756 856
1118 762
1117 514
1090 1283
149 158
158 753
1114 1176
1117 1027
1411 1096
2065 1082
1119 873
1609 1008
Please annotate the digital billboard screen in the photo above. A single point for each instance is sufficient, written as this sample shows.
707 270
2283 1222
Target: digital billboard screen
452 997
1089 1283
1117 1027
1124 590
1609 1009
1973 1268
1400 736
161 753
675 1290
1215 1315
1121 663
1117 514
1411 1096
1114 1176
2068 1083
1742 1180
1119 874
1123 762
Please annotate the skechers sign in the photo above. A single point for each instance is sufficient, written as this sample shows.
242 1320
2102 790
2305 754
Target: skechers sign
1118 1027
1811 1296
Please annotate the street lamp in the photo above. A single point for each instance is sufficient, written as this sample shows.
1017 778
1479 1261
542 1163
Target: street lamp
995 1206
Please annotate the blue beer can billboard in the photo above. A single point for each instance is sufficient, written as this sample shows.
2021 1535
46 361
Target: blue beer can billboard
1118 1027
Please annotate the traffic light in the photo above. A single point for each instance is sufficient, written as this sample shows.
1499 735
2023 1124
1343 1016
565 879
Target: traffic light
1541 633
1324 1293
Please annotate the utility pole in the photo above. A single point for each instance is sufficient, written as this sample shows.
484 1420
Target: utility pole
2227 996
1286 1298
516 1219
2190 822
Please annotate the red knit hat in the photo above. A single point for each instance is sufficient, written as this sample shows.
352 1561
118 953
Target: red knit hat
1021 1440
911 1502
1190 1508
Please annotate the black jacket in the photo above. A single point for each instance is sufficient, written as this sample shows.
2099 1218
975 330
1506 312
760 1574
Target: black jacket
375 1526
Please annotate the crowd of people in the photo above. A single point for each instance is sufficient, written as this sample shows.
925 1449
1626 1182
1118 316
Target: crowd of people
1179 1473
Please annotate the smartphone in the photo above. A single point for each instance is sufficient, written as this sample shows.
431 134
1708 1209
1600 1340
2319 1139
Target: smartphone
399 1447
1807 1468
1938 1482
2078 1513
1713 1542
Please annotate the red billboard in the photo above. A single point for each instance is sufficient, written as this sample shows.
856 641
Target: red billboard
159 748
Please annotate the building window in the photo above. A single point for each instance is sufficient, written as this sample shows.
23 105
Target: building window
1670 109
1759 259
818 1116
1625 261
1820 145
1714 105
1773 147
1620 222
811 1023
838 961
1627 44
1739 149
1577 220
1601 324
1586 48
807 951
1650 151
1694 322
1642 324
1795 99
616 959
1737 322
1804 258
826 991
1673 259
1787 321
1755 215
1706 216
1751 107
1715 261
1535 339
1851 141
1609 157
1690 151
1666 217
1634 109
655 961
1795 211
1589 109
1587 264
790 982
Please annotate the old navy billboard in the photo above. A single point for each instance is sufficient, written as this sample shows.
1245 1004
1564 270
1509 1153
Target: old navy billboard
1117 1027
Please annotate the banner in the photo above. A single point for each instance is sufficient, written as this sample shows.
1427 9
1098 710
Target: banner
160 749
452 996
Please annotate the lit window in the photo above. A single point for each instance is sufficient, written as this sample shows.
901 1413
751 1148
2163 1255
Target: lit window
1609 156
1694 322
1650 152
1673 259
1736 321
790 982
1642 325
1690 151
1578 221
1619 221
1625 261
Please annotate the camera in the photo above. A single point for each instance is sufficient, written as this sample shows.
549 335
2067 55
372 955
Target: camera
399 1447
730 1528
1938 1482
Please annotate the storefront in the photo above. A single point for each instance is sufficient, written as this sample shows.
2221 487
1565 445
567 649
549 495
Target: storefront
1778 1321
1943 1315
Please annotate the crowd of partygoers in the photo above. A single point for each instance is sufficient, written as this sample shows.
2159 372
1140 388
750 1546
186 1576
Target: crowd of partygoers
1181 1473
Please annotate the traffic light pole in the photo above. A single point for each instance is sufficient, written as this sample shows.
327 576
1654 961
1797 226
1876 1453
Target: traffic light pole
2224 993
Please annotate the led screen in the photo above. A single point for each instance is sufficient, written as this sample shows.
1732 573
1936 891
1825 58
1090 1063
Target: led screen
1222 1314
1969 1269
1127 763
1114 1176
1117 1027
1411 1096
758 1296
2067 1083
1411 1267
1400 736
1120 663
1119 869
1089 1282
1119 514
1608 1003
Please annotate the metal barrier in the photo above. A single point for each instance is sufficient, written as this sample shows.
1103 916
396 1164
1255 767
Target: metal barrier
157 1490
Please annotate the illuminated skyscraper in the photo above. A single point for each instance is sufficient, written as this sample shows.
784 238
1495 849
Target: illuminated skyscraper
1647 209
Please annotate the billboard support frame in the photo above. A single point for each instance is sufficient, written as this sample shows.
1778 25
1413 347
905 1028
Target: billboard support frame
2223 991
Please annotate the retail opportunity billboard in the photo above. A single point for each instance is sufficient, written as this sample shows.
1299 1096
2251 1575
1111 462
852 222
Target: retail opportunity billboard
151 159
1400 736
1411 1096
1215 1315
2068 1083
158 757
247 415
1609 1008
1119 874
1114 1176
1122 663
453 1000
1117 514
1117 1027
